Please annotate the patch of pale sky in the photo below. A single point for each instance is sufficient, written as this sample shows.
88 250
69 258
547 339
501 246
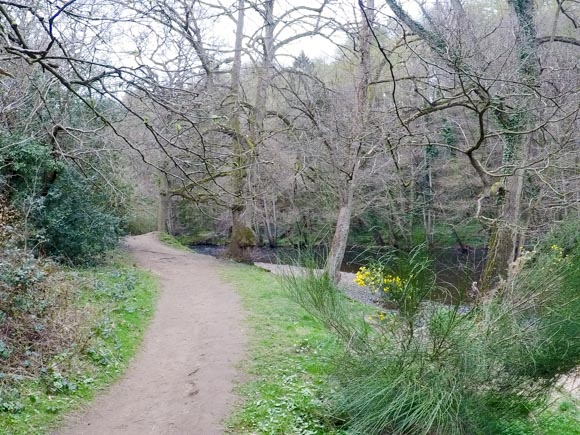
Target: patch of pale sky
219 32
316 47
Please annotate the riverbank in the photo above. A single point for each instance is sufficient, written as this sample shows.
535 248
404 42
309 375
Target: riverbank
457 267
292 368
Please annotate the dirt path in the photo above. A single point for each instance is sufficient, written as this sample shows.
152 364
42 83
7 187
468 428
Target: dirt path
181 381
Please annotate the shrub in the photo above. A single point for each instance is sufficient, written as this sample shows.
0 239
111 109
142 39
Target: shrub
546 289
25 168
74 221
434 369
68 215
33 309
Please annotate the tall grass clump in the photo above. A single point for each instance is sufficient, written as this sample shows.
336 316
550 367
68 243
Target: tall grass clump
429 368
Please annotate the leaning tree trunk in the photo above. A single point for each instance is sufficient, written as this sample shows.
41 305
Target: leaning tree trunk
341 231
506 232
347 188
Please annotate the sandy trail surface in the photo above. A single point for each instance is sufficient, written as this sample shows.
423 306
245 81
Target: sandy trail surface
181 380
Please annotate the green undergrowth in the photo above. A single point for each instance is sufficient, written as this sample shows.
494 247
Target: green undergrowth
561 419
114 304
170 240
202 238
290 359
296 368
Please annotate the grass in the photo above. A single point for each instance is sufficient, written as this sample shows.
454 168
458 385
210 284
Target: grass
290 359
118 301
563 419
201 238
169 240
292 385
292 372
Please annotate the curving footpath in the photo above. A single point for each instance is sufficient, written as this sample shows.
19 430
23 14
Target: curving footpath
181 380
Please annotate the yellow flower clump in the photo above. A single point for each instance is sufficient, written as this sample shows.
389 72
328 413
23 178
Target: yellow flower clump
391 281
366 277
380 316
363 277
558 251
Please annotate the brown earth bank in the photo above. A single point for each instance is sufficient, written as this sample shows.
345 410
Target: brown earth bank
181 380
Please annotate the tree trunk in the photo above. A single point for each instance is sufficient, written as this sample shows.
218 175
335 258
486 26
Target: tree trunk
271 224
258 114
236 248
428 199
339 241
505 236
346 194
163 209
240 232
263 74
506 233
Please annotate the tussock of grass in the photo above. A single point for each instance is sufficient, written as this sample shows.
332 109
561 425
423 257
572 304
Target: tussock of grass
119 302
439 370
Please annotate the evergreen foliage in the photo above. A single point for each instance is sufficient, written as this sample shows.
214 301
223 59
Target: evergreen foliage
65 213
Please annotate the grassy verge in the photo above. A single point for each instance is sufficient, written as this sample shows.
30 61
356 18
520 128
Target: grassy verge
292 373
116 303
169 240
289 363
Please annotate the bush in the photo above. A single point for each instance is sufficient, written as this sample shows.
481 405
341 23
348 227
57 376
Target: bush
67 214
33 310
547 287
428 368
25 169
74 221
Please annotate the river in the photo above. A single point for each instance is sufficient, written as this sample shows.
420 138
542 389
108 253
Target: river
457 269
